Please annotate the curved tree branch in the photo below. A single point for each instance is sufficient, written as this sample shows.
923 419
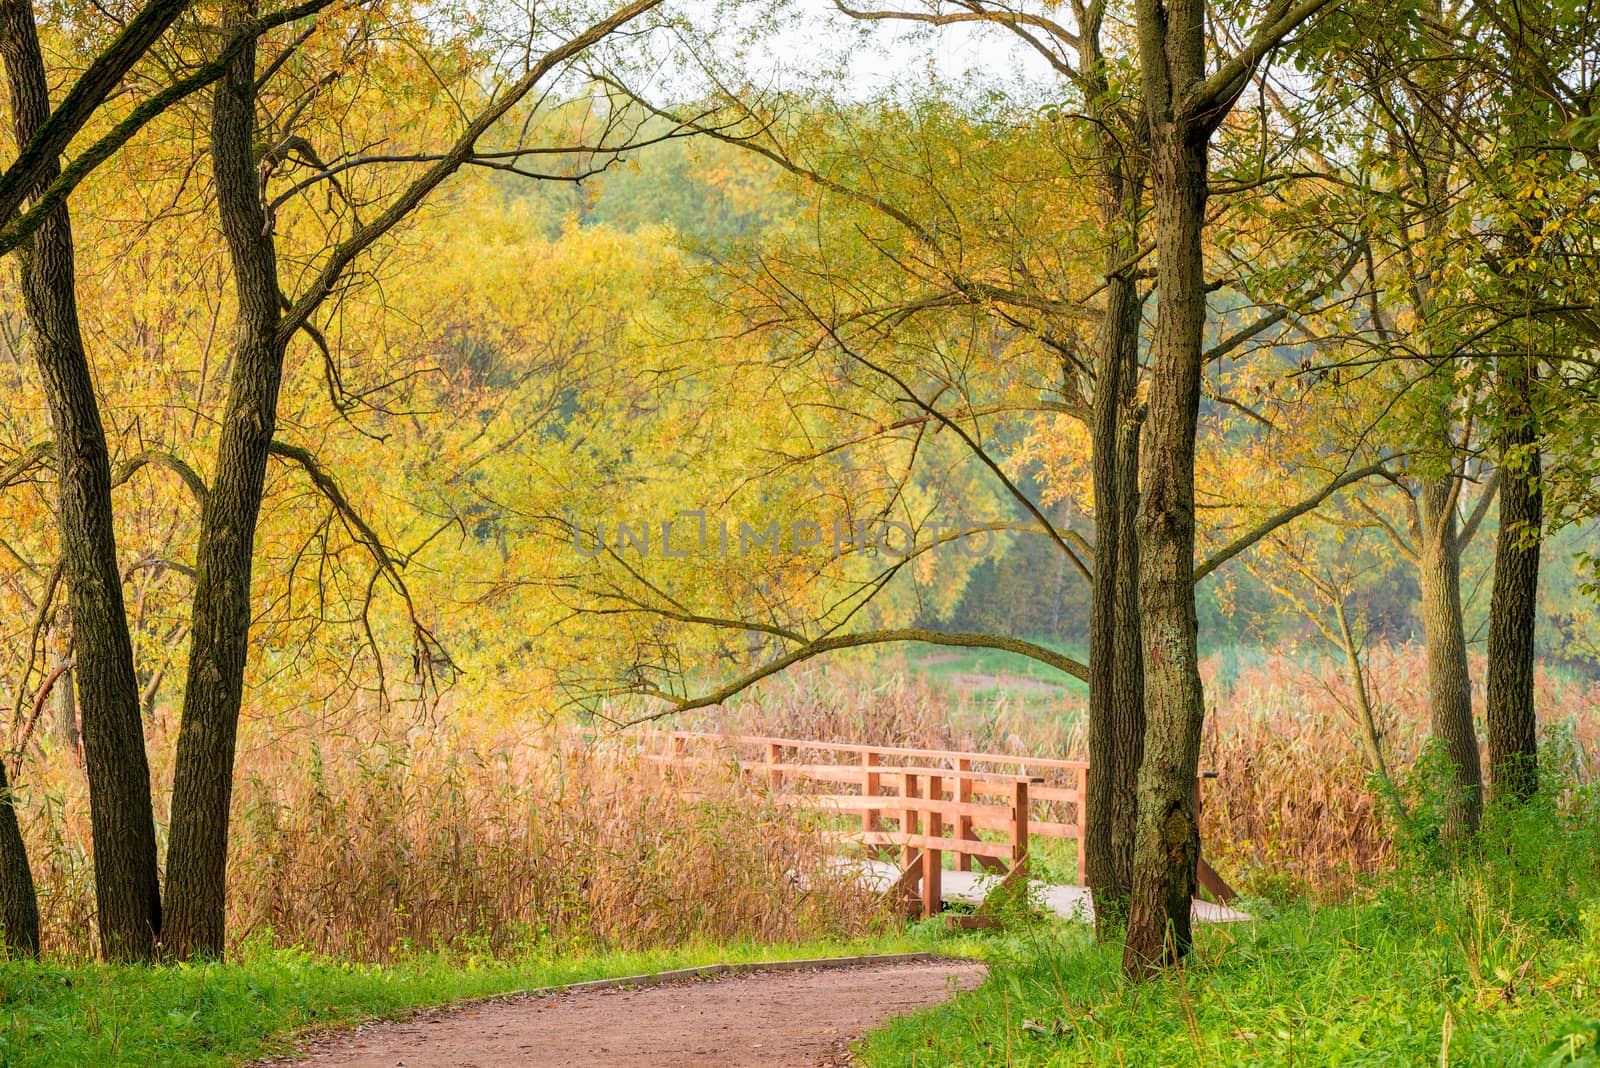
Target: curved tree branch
966 640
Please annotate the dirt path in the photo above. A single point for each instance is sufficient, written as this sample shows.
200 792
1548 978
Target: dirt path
771 1019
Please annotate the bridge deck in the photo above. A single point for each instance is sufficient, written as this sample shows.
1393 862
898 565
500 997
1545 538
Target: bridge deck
1070 902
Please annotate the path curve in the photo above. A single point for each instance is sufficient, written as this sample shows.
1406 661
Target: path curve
772 1019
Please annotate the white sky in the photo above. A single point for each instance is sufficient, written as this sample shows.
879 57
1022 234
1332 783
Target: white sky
812 36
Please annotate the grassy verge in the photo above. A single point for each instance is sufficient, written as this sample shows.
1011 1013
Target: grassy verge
1488 962
192 1015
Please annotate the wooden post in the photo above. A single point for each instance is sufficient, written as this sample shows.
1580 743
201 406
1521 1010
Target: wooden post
871 818
1019 824
1083 819
964 822
933 859
909 821
774 776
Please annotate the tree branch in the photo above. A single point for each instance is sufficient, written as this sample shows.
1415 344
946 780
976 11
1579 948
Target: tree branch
1211 99
1288 515
460 152
91 89
965 640
1470 527
20 227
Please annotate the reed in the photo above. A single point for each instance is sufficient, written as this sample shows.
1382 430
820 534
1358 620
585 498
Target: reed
406 841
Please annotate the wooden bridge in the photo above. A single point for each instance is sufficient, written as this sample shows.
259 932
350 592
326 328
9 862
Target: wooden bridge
982 808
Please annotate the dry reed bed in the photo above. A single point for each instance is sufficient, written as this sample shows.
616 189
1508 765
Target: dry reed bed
435 840
411 839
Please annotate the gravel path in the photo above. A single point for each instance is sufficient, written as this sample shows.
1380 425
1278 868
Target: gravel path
771 1019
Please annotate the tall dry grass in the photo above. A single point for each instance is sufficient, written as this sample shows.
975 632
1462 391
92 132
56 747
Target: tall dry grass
1292 811
410 840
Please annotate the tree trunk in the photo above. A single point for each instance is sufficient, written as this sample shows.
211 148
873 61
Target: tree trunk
1513 742
1449 683
63 695
1116 714
1128 683
1167 845
220 620
127 887
19 904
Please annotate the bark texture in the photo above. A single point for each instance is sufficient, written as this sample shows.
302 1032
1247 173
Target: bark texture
220 617
127 887
19 904
1513 607
1444 634
1167 842
1513 740
1116 683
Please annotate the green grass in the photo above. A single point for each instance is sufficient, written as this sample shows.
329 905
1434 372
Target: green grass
194 1015
1489 962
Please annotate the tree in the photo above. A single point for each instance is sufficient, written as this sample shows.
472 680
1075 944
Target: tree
1116 135
1184 105
1532 175
267 321
128 894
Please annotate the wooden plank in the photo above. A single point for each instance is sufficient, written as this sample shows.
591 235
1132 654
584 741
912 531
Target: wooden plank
1008 889
989 817
1054 793
951 755
1057 794
853 773
910 876
909 823
912 841
1083 820
904 891
1038 828
1214 883
774 758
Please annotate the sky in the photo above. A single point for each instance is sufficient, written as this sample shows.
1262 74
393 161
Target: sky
809 36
